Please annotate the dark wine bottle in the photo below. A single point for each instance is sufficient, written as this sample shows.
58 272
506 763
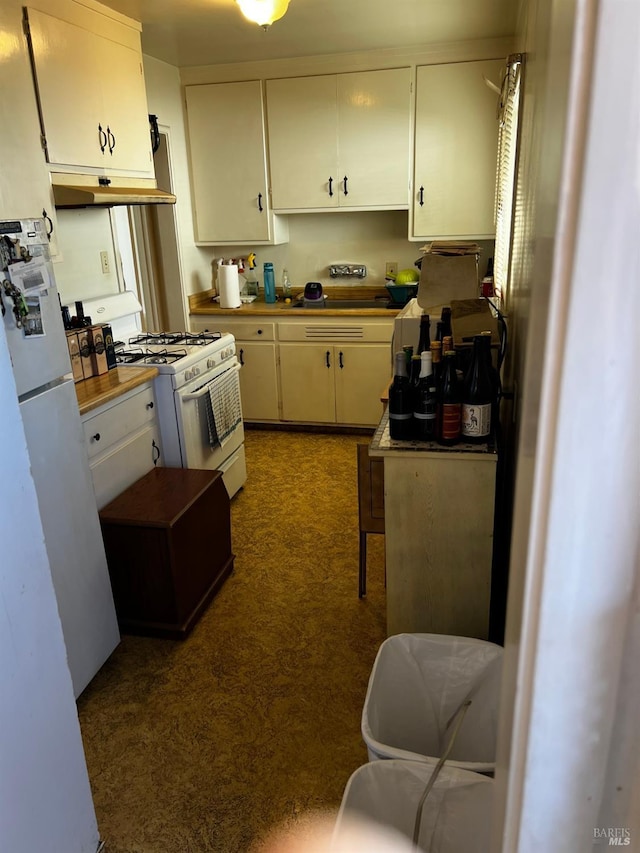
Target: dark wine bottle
400 404
408 352
424 341
445 319
449 402
477 396
436 360
424 405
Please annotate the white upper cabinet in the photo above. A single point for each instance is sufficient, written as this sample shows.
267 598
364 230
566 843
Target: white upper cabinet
229 181
340 140
91 94
456 143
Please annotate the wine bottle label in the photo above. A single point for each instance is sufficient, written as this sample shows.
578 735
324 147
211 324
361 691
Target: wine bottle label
476 420
450 421
396 416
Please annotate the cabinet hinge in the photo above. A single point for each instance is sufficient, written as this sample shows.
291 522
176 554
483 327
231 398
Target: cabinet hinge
25 26
43 142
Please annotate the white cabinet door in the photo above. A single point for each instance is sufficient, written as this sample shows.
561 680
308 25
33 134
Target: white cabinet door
456 144
340 140
69 90
301 113
374 136
125 108
307 382
362 371
258 381
228 162
92 96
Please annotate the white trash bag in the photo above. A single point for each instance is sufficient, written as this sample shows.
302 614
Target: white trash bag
456 815
417 684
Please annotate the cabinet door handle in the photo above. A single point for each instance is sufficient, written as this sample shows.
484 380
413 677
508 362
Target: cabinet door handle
241 354
346 191
155 450
150 405
260 202
102 138
328 355
259 331
421 196
330 185
340 360
49 223
111 139
95 437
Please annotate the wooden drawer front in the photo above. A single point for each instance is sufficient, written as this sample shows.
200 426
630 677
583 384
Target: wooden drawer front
121 419
339 332
252 330
118 470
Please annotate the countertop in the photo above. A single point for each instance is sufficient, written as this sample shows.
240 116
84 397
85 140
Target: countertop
383 445
201 303
95 392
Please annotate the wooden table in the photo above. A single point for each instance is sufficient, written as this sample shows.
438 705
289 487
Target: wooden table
439 512
168 545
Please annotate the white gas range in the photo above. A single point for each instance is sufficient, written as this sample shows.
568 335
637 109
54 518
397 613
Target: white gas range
197 389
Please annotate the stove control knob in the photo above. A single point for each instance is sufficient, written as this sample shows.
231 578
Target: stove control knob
188 374
211 363
196 371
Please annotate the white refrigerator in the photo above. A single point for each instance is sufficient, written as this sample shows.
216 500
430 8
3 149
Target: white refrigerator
59 463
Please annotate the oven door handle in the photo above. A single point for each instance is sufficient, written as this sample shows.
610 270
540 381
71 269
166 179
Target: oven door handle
197 395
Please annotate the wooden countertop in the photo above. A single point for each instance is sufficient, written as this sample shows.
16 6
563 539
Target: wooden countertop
98 390
201 303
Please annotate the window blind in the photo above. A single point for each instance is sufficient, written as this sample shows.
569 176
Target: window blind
508 107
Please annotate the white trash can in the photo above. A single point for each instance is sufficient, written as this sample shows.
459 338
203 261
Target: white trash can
456 815
417 684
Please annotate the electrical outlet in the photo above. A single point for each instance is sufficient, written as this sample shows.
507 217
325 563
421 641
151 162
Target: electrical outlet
104 262
391 270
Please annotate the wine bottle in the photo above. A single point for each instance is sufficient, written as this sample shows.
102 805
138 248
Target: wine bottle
424 341
477 396
436 359
449 402
400 405
424 405
445 319
408 352
414 372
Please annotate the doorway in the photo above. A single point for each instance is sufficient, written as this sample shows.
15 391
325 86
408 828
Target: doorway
154 239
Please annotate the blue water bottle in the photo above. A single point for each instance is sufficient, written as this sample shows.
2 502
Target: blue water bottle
269 283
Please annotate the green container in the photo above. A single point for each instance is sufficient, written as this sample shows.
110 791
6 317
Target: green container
401 293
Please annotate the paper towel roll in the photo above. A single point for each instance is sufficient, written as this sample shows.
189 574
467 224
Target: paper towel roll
229 286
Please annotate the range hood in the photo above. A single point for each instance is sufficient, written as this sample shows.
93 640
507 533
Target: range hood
78 195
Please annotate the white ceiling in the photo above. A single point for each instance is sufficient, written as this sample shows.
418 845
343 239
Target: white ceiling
206 32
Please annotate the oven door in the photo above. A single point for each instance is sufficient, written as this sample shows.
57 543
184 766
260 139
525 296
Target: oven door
206 407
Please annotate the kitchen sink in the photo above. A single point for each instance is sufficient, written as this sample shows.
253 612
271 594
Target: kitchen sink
343 303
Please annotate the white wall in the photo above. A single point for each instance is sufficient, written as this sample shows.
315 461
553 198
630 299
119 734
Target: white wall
82 235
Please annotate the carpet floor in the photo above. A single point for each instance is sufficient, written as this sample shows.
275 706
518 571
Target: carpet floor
253 722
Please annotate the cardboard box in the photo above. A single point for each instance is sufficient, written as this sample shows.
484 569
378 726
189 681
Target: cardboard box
471 317
98 350
74 355
447 277
84 345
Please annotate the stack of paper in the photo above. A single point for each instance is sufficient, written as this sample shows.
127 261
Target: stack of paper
451 247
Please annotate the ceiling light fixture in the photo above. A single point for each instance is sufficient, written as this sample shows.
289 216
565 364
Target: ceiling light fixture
263 12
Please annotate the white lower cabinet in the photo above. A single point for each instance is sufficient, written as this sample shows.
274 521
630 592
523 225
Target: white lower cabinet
320 369
257 353
337 384
123 442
